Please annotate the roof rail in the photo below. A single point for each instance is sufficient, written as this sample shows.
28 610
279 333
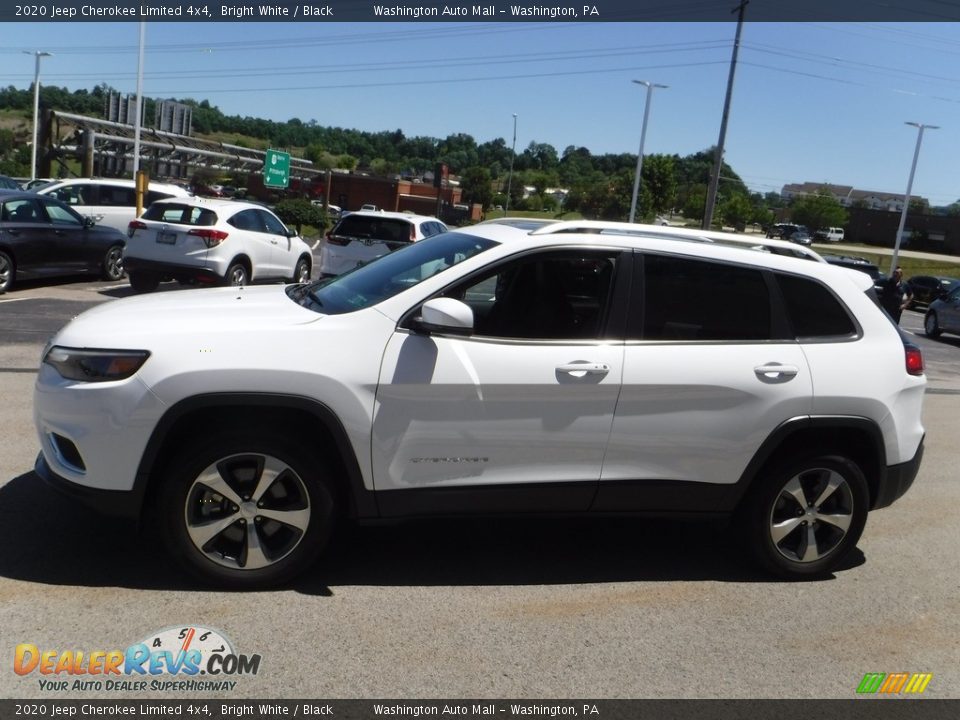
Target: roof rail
779 247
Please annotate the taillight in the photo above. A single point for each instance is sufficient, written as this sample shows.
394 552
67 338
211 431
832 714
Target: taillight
914 359
337 240
134 226
211 238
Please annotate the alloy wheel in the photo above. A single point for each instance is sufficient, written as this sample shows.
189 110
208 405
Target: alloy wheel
812 515
247 511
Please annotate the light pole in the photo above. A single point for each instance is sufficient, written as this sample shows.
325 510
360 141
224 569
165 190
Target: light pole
36 108
643 134
906 198
513 154
137 120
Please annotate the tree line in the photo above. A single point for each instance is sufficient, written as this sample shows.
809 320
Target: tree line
597 186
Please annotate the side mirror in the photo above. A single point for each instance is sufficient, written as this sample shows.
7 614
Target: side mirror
445 315
89 222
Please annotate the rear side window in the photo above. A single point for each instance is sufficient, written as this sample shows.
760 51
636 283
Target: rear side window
687 299
814 311
373 228
180 214
117 196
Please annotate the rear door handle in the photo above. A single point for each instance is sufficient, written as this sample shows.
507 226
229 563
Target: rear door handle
582 369
776 371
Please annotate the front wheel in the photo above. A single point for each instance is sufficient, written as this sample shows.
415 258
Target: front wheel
248 511
931 325
806 515
112 266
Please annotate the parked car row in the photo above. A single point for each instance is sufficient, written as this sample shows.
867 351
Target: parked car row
179 237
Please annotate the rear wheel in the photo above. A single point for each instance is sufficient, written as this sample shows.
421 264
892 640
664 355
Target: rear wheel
143 282
301 273
246 511
806 515
7 272
237 275
112 266
931 325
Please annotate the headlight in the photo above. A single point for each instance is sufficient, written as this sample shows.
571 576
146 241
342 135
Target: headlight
95 365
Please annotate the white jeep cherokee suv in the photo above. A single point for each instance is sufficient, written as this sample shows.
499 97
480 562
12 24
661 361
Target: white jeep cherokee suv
507 368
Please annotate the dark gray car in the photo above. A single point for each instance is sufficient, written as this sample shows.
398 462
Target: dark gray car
40 236
943 315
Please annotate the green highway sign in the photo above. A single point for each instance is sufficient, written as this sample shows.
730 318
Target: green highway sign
276 169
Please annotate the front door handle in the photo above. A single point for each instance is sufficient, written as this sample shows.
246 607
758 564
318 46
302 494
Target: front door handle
582 369
775 371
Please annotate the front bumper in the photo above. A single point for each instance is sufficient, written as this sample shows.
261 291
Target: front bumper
897 480
124 504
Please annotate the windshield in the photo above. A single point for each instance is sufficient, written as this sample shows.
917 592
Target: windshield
388 275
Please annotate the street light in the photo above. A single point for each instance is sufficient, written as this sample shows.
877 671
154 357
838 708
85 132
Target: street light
643 134
513 154
906 198
36 107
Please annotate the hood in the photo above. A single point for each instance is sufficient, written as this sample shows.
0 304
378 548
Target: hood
137 322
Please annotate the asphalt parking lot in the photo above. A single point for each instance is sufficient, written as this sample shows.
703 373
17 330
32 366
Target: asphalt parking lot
599 609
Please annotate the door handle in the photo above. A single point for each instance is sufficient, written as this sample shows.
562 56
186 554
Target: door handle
582 369
776 371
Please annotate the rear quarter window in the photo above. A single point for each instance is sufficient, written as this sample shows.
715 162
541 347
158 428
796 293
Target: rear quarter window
813 310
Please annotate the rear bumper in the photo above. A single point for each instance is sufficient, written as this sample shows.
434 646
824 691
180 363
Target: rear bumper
898 480
185 273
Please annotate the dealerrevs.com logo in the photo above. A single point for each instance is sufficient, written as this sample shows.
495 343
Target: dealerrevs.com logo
186 659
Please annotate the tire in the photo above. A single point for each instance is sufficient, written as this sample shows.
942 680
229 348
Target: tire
931 325
788 533
112 266
144 282
301 273
236 275
8 272
230 530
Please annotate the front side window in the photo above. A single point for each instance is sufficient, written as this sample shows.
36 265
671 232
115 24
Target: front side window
556 295
59 215
388 275
74 194
691 300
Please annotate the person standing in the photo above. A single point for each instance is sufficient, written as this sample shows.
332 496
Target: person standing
896 295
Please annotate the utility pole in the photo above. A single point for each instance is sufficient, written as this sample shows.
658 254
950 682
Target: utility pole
718 158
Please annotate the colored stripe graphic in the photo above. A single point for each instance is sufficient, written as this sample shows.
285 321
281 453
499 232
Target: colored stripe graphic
894 683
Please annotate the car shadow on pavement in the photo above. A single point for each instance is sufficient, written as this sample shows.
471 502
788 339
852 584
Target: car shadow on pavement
48 538
59 542
535 551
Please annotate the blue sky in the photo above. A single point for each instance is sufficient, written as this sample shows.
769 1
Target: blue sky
821 102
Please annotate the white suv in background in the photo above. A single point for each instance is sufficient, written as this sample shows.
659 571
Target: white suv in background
504 368
213 241
362 236
110 201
